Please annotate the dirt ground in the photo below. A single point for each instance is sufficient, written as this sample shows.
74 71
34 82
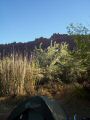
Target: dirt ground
74 106
4 116
70 102
70 106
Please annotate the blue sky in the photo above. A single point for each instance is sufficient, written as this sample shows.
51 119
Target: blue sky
25 20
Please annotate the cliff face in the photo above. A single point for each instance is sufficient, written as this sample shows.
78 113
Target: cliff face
28 47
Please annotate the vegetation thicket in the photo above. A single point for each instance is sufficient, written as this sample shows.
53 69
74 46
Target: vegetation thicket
57 63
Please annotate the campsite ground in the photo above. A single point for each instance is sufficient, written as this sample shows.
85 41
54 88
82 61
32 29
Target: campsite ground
70 102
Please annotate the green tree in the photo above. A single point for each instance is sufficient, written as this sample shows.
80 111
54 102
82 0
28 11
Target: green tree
77 29
81 34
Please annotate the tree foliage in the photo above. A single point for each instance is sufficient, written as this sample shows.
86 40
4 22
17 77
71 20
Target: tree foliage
77 29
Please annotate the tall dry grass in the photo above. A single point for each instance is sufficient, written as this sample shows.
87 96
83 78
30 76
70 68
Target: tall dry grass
17 75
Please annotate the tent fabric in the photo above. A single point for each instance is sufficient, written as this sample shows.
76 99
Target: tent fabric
38 108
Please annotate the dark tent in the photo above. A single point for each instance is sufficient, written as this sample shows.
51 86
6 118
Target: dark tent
38 108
